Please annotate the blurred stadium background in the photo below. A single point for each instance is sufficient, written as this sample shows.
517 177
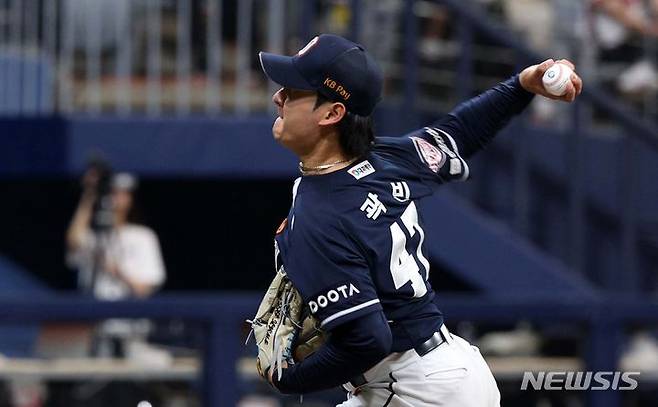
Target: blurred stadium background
552 260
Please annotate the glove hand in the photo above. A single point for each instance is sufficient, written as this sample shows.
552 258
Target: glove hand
270 374
282 325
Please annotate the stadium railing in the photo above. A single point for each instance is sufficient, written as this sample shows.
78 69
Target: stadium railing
223 316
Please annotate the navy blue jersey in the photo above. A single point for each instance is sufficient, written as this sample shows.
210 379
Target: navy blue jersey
353 239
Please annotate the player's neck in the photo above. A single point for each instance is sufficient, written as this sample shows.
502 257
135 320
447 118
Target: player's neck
323 159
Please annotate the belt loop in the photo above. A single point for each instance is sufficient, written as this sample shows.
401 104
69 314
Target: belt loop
359 381
447 336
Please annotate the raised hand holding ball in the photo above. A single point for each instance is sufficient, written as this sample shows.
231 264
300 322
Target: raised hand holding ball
556 78
562 82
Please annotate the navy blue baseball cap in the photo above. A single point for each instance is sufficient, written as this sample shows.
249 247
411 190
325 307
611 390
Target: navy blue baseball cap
333 66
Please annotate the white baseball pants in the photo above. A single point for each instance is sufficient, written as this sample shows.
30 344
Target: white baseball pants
452 375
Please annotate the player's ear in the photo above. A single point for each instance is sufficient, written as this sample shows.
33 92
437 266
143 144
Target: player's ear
332 114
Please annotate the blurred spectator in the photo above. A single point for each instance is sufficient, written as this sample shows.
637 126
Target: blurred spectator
641 352
337 17
553 27
127 255
616 25
380 37
616 20
433 45
534 18
115 257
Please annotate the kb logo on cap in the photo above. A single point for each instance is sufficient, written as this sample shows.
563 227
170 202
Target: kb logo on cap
338 88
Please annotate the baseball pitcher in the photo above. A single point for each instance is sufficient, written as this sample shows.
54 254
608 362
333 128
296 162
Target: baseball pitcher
351 304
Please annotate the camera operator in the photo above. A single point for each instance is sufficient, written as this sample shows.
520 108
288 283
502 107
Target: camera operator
116 258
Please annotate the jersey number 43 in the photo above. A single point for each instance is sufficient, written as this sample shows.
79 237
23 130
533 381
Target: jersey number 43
404 267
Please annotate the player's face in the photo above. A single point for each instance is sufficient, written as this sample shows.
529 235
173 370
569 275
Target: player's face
297 125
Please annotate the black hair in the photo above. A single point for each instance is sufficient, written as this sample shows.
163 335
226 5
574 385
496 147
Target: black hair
356 135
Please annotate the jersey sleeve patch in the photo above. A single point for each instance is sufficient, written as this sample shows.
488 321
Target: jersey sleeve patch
429 154
457 168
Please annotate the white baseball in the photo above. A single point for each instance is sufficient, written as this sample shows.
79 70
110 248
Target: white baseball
556 78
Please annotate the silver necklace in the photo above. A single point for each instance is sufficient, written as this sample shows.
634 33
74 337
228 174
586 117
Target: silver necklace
304 170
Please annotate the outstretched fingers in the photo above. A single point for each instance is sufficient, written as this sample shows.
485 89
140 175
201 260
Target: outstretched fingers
577 83
543 67
567 63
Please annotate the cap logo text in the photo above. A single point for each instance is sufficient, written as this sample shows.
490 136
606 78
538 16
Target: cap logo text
338 88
